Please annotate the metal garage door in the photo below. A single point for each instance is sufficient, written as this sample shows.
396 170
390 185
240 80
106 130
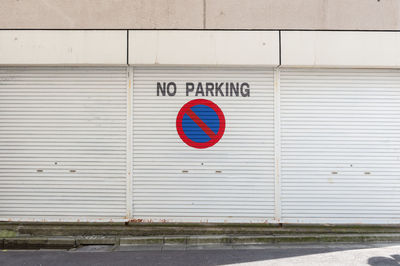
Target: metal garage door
62 142
340 145
230 181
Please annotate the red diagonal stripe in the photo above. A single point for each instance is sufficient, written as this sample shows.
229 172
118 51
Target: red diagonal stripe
200 123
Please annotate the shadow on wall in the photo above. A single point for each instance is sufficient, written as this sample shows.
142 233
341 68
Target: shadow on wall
393 260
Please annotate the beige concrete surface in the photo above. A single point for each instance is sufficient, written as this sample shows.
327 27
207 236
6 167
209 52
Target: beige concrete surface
340 49
204 47
200 14
303 14
101 14
62 47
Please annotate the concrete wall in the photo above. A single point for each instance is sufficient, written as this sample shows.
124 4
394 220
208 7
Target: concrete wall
340 49
304 14
43 47
195 47
201 14
204 47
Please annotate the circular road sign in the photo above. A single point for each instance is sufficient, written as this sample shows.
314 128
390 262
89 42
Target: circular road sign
200 123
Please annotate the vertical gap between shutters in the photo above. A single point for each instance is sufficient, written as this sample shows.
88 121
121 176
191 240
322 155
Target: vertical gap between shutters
129 139
277 147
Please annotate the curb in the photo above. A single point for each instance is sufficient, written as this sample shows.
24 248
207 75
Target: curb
39 242
67 242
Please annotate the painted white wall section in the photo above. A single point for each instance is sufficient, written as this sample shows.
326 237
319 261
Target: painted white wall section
155 47
340 49
62 47
204 47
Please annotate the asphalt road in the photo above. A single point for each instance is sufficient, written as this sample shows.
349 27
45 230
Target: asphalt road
331 254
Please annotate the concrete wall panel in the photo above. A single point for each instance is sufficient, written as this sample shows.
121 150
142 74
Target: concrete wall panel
62 47
204 47
200 14
340 49
101 14
303 14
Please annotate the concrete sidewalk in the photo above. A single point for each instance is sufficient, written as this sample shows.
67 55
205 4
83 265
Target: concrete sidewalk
56 242
70 235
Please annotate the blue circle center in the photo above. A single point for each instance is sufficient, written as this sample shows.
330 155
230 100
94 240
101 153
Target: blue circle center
193 131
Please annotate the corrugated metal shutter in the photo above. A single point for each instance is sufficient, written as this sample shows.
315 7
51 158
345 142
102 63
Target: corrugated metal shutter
62 142
340 145
232 180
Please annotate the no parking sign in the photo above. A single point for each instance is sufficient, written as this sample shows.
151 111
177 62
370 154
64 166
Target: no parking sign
200 123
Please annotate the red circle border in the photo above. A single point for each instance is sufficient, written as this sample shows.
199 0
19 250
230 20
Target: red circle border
182 134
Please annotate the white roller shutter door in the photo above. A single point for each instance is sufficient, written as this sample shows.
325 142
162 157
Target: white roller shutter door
340 145
63 146
231 181
62 142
